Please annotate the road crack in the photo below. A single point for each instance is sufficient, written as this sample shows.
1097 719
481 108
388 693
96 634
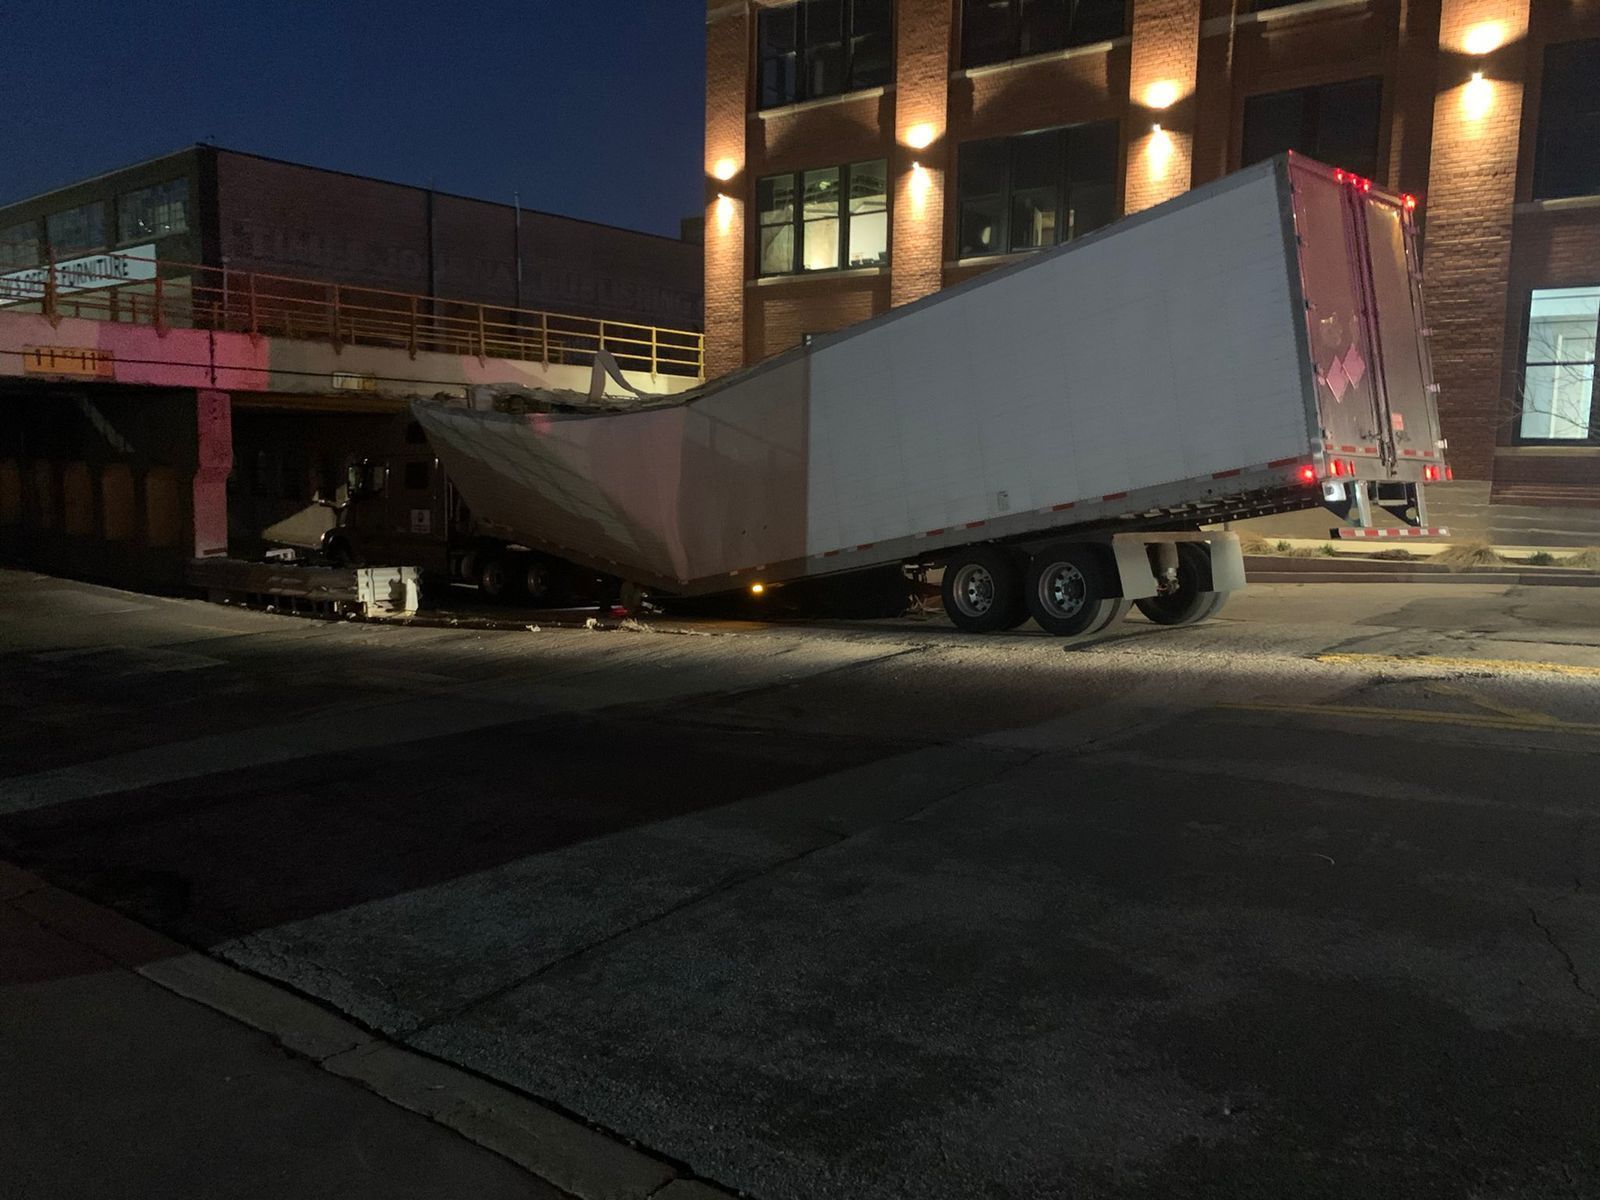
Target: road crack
1572 967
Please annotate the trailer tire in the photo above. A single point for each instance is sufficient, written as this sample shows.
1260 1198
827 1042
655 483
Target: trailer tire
1189 604
1069 591
1114 614
542 584
982 590
495 578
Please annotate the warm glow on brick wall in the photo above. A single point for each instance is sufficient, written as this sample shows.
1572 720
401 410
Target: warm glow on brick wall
1484 38
922 149
727 67
1472 178
1161 100
1477 100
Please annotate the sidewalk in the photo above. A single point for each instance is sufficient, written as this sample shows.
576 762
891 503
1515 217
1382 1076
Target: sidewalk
116 1085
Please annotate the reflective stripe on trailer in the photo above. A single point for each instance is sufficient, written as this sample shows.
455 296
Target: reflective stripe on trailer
1430 531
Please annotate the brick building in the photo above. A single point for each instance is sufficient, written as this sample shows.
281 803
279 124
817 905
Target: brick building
208 206
862 153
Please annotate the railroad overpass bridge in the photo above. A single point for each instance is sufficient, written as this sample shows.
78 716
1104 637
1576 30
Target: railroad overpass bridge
130 389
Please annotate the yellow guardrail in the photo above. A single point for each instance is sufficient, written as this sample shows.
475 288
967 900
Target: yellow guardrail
159 293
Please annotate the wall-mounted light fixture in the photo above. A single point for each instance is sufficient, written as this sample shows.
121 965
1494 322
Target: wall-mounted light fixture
1477 98
920 137
725 169
921 185
1159 153
724 212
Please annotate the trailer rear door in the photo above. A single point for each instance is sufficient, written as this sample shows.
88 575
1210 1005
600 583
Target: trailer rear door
1404 381
1364 321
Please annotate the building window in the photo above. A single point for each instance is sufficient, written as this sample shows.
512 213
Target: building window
153 211
1558 369
824 219
822 48
1568 158
19 245
77 229
999 30
1037 189
1336 124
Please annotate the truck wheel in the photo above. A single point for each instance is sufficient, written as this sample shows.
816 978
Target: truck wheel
1068 590
1187 604
495 578
542 584
982 590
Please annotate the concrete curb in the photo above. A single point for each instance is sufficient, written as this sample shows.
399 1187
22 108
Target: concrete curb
1273 569
563 1152
573 1157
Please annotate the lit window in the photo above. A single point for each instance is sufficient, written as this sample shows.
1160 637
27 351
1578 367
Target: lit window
1037 189
1568 159
77 229
995 31
1336 123
822 48
153 212
1558 373
869 215
824 219
19 245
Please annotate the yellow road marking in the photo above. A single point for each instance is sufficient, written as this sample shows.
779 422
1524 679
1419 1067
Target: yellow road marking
1494 706
1430 660
1426 716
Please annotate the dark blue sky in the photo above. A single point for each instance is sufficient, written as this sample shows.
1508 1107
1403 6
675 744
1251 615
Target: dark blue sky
588 107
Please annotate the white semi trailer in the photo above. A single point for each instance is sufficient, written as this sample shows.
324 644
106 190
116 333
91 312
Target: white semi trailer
1054 434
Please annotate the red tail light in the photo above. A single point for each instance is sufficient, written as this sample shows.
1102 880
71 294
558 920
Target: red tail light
1338 176
1308 474
1449 472
1430 472
1409 201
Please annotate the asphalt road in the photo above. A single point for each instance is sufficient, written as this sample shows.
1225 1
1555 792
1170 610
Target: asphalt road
1300 902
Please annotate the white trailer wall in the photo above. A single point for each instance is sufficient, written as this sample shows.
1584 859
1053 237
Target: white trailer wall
1158 351
1164 349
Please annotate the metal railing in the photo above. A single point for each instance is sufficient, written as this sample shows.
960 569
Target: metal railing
191 296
